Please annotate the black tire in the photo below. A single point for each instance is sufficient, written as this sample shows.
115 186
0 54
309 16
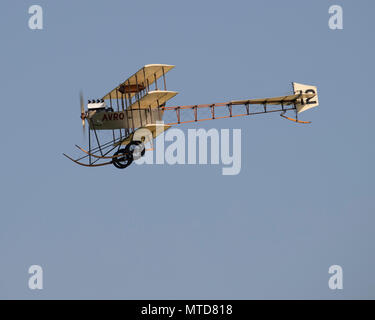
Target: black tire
136 149
122 159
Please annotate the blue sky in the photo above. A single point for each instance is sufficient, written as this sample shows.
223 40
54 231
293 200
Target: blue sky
302 202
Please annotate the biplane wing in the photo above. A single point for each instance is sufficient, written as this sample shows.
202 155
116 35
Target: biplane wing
141 80
153 99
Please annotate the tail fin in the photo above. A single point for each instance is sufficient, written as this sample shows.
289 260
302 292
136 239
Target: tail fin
306 103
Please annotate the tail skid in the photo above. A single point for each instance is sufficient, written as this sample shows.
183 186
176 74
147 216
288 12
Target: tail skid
294 120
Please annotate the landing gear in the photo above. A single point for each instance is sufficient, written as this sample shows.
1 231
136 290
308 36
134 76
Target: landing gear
136 149
122 159
125 156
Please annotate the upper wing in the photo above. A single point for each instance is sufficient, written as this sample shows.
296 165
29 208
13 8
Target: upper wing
141 79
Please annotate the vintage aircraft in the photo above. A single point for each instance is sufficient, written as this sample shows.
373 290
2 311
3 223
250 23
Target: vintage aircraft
134 112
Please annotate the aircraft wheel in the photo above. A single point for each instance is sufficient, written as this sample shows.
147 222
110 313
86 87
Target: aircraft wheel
123 159
136 149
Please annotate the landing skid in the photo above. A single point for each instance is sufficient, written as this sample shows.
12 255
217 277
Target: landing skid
96 156
88 165
121 159
294 120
